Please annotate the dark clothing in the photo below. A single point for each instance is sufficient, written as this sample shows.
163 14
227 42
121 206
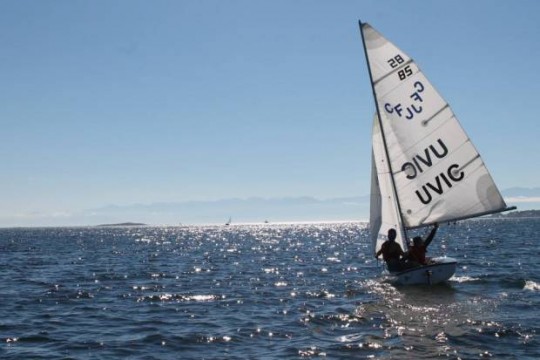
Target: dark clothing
394 265
417 252
392 252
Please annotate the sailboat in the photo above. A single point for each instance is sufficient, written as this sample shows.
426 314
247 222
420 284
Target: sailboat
228 222
425 169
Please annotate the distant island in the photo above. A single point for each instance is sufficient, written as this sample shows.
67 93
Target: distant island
518 214
122 224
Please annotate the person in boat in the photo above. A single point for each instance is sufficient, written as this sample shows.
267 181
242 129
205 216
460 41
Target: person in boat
392 252
416 255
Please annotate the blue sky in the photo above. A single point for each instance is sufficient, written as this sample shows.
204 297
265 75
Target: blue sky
141 102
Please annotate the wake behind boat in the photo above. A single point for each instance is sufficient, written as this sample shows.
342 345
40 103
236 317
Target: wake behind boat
425 169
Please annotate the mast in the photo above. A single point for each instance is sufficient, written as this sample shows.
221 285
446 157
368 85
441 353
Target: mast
394 190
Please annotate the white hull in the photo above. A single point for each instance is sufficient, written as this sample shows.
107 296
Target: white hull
441 270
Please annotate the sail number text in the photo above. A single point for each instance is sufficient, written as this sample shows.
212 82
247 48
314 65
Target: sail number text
395 62
412 109
442 181
405 72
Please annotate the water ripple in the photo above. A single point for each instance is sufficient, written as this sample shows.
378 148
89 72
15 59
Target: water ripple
267 291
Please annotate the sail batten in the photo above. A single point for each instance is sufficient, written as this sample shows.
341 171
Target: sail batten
426 121
435 173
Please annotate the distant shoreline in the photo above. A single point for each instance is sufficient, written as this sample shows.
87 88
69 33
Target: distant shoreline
517 215
122 224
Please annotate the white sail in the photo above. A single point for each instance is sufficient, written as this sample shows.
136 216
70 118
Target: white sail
438 174
383 206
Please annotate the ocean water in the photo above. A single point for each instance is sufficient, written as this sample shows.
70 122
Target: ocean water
263 292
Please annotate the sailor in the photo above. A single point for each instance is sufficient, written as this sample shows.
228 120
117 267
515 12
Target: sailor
417 252
391 252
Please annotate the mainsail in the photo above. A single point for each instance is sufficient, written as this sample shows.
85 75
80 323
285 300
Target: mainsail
433 172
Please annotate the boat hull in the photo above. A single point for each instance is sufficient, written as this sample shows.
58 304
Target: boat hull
439 271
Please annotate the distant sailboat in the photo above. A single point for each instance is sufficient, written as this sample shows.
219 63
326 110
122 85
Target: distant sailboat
228 222
425 170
